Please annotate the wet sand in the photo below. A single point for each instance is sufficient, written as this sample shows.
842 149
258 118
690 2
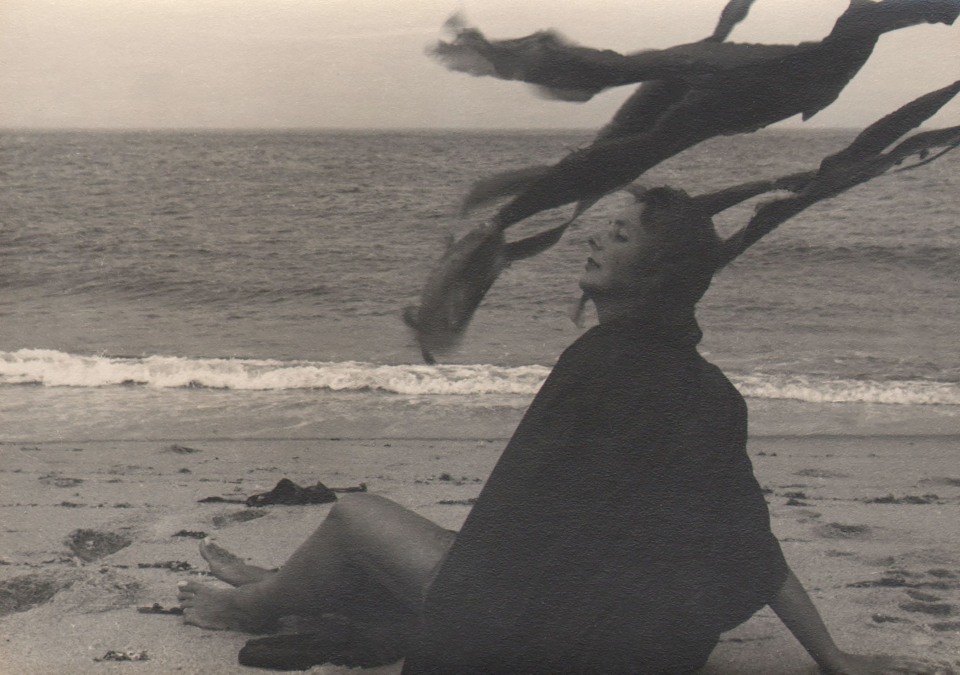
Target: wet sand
869 524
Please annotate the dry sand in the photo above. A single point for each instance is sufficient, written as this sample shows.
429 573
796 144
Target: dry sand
870 524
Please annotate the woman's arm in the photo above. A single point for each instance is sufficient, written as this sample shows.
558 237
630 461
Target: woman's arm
800 616
796 610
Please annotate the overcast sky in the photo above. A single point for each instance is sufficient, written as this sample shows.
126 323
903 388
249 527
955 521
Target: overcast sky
361 63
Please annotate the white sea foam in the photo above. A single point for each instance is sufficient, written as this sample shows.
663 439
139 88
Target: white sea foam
823 390
58 369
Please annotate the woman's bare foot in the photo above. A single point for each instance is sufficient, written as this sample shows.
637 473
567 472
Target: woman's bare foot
217 608
228 567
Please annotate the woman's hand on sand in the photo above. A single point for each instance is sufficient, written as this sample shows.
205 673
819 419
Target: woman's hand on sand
857 664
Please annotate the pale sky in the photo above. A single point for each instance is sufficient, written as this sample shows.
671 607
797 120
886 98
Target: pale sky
362 63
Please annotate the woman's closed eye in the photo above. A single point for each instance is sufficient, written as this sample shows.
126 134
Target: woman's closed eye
620 230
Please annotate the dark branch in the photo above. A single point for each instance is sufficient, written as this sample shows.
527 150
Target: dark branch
858 163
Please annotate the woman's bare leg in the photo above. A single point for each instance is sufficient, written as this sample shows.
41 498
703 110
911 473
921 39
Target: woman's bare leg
364 538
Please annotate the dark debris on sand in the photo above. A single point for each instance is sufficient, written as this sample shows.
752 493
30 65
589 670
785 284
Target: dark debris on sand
220 500
906 499
238 517
116 655
172 565
157 608
289 493
943 580
180 449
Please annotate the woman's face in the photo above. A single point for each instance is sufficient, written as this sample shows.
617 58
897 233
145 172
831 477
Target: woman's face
625 258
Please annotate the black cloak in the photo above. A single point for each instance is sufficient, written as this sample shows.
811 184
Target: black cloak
622 529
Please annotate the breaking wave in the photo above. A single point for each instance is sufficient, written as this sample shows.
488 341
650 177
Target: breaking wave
52 368
58 369
824 390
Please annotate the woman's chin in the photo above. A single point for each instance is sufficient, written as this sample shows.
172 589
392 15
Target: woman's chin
589 283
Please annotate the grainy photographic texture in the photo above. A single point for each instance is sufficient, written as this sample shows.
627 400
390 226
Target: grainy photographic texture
212 214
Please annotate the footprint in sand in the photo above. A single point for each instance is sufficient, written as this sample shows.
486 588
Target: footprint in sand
923 597
27 591
60 481
820 473
945 481
933 608
841 531
90 545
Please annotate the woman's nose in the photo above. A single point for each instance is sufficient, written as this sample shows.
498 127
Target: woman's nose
594 243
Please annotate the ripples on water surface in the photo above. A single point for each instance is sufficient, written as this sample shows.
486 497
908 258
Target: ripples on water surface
278 262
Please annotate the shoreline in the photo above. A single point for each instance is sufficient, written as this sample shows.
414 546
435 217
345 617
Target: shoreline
772 436
113 414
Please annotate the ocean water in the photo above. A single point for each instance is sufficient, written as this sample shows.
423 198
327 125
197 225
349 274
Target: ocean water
177 285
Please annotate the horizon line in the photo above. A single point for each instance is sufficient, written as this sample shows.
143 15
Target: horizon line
338 129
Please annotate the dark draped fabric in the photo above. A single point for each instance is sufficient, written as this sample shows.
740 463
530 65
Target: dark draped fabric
622 529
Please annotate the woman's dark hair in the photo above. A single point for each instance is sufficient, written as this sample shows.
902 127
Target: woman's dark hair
691 244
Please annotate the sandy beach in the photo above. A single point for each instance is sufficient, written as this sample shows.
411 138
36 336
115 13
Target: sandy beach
868 523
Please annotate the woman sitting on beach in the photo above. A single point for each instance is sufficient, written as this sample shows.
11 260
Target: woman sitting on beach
622 530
